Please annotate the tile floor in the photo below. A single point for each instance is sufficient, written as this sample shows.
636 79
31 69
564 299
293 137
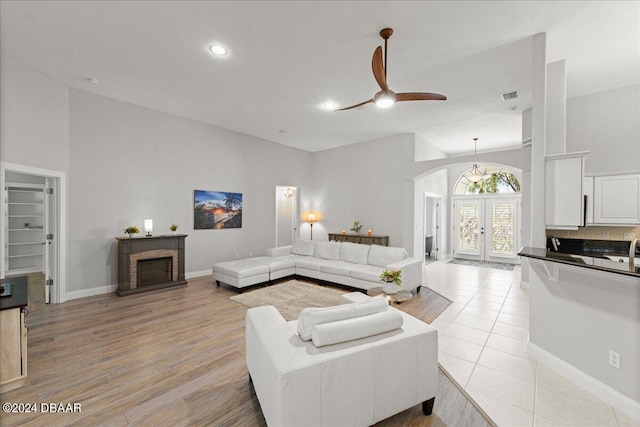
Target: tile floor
483 346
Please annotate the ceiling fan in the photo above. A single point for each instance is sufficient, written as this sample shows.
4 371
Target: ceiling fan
386 97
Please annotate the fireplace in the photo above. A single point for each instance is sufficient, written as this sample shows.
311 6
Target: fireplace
155 270
148 263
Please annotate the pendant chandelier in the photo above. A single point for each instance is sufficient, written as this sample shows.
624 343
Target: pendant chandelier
475 175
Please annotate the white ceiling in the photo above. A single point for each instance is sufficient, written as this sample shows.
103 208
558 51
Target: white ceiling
289 57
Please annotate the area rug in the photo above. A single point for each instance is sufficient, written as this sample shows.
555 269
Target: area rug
291 297
486 264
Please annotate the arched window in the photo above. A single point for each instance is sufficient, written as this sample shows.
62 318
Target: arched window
495 179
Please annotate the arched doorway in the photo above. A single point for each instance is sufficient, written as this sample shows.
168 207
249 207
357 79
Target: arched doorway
486 215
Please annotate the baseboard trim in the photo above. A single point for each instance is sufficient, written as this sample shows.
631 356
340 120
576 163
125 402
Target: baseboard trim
112 288
89 292
610 396
194 274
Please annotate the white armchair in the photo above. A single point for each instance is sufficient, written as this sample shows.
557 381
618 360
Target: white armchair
355 383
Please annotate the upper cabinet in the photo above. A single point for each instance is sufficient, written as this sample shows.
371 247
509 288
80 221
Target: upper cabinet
587 190
564 201
616 199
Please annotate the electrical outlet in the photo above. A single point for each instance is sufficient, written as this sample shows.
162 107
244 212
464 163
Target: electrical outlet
614 359
605 234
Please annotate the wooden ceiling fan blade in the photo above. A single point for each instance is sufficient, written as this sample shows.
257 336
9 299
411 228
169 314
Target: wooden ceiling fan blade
378 68
419 96
356 106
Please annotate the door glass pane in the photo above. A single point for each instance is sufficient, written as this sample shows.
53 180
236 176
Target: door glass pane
468 228
502 229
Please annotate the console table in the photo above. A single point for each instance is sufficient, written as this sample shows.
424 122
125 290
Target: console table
357 238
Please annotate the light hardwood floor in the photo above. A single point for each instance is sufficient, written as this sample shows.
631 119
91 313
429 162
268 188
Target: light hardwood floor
169 358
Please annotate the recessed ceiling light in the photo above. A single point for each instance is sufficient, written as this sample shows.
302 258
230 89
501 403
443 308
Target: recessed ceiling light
218 50
282 131
93 81
329 106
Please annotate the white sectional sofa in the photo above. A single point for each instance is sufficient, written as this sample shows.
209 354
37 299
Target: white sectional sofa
355 265
357 379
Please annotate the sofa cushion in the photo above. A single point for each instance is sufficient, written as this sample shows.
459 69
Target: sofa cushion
384 255
328 250
354 252
337 267
369 273
275 263
310 263
303 247
240 268
355 328
311 316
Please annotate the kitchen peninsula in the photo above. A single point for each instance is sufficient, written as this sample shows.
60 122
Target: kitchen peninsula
583 308
13 333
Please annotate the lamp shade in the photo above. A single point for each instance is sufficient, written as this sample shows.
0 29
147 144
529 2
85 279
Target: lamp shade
475 174
148 225
311 217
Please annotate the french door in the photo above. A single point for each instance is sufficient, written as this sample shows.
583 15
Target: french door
486 228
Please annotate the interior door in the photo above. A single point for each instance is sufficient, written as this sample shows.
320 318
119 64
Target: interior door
286 215
468 229
49 252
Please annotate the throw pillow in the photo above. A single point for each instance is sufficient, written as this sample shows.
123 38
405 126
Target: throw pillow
311 316
354 329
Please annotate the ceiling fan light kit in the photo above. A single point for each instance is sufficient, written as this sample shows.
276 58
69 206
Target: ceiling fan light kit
385 98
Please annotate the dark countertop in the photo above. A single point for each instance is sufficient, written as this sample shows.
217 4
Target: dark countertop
580 261
18 296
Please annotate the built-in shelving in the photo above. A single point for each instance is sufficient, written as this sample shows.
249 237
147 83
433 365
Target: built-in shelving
24 227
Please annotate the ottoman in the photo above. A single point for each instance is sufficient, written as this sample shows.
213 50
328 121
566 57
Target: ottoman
240 273
279 266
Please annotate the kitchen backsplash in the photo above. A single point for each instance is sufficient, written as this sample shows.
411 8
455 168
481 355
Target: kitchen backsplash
598 233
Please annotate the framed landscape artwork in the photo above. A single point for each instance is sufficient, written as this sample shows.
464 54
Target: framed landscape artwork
216 210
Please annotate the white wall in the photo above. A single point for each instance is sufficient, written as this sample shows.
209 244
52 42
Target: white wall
370 182
578 315
34 117
128 163
606 124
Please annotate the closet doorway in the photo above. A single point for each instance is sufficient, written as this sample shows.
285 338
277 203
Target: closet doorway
33 232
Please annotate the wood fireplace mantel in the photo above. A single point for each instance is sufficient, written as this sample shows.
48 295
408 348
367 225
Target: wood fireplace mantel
134 249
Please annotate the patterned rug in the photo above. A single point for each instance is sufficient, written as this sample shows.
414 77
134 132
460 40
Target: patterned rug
289 298
486 264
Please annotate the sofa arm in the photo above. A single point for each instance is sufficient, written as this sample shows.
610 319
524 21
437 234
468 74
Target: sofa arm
411 272
281 251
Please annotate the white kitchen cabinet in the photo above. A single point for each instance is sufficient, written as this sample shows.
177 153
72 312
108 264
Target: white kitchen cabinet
564 201
616 199
587 190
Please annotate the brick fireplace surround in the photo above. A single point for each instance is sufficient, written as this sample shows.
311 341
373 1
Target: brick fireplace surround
134 249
